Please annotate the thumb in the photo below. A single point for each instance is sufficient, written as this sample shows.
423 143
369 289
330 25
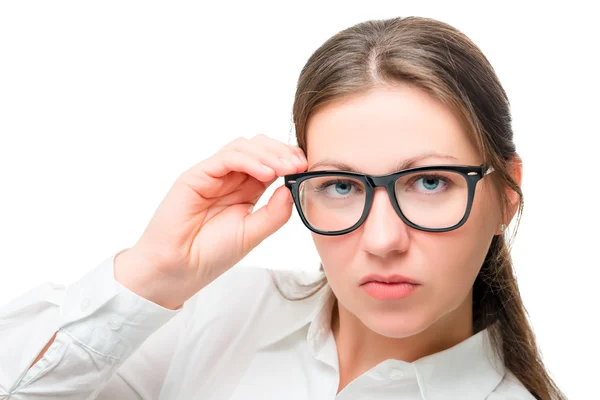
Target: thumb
268 219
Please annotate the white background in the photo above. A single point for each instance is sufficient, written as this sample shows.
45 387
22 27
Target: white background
103 105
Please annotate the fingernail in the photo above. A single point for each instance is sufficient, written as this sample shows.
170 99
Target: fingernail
297 159
250 209
290 199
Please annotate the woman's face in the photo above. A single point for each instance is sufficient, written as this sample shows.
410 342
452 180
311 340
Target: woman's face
374 132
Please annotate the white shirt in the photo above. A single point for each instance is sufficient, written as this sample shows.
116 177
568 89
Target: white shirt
235 339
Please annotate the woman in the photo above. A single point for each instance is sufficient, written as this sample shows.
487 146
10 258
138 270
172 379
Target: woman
410 179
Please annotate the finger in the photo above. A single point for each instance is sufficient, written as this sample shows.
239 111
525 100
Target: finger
225 162
280 161
286 151
268 219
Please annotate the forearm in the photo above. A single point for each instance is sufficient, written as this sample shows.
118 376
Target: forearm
67 343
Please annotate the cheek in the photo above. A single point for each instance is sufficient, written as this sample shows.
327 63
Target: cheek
485 213
338 254
336 251
457 256
451 270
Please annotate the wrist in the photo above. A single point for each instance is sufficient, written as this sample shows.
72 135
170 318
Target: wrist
138 275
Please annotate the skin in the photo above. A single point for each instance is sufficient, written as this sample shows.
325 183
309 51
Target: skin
373 132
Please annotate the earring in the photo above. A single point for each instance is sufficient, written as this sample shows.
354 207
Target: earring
502 228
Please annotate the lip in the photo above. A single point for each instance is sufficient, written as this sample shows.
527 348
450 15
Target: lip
387 279
389 291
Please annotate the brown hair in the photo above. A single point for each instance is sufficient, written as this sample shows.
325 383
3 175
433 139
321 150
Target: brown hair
440 59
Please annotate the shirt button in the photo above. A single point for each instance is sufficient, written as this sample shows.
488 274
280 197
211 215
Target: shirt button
85 304
114 322
396 374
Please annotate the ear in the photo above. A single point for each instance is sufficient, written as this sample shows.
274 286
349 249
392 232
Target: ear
516 171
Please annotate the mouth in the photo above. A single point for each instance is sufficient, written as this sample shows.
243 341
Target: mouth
393 287
387 279
389 291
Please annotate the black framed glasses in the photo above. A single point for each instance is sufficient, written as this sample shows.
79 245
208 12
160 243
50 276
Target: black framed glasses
436 198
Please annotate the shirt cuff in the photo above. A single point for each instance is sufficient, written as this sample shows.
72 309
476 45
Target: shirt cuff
105 316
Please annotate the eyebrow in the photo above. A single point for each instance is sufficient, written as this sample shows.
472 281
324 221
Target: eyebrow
408 163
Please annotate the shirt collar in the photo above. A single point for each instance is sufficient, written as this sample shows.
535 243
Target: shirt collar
453 370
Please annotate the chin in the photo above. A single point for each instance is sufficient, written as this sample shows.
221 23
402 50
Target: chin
398 324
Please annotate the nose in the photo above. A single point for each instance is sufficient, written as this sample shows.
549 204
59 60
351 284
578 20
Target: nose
383 231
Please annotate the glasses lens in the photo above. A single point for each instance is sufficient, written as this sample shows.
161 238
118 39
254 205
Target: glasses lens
433 199
332 202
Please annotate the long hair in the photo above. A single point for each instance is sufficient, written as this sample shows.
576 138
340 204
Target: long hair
443 61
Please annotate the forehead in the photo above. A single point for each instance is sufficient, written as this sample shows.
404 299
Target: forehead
377 129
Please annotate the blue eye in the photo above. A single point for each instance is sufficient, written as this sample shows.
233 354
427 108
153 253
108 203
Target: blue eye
341 187
432 182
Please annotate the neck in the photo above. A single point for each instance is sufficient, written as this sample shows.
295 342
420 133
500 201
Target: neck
360 349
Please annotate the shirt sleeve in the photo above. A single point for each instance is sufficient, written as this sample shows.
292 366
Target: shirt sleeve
110 342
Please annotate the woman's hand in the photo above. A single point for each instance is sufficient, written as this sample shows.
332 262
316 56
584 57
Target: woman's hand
205 225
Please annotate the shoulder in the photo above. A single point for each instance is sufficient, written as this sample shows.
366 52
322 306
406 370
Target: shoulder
223 313
248 302
237 287
245 292
252 282
510 388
